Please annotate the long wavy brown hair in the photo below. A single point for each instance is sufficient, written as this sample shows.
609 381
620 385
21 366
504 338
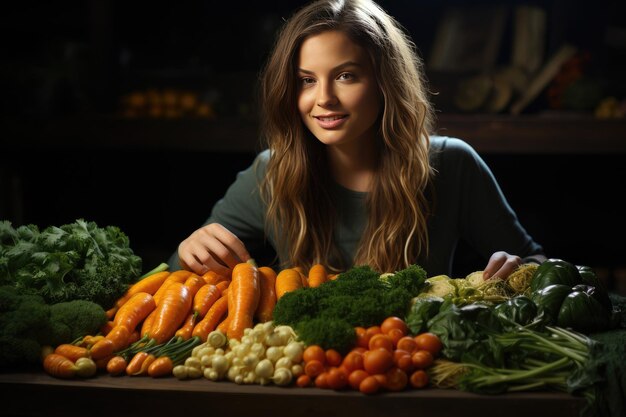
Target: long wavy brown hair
300 212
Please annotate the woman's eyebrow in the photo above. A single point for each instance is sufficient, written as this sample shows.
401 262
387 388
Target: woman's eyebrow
337 68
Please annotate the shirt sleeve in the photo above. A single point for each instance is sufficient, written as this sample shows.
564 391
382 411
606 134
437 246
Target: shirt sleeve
486 220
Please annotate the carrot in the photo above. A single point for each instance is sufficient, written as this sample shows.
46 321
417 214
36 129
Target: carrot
223 285
135 364
72 352
103 362
147 324
194 283
187 328
205 298
317 275
267 300
146 364
161 367
243 298
171 312
212 277
134 336
59 366
110 313
116 365
136 309
120 336
149 284
102 349
332 277
287 280
300 270
223 326
211 319
176 276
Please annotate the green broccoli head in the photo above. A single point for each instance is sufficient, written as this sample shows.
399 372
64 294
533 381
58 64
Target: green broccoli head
73 319
18 352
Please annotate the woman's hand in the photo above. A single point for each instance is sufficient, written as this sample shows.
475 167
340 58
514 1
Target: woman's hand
501 265
212 247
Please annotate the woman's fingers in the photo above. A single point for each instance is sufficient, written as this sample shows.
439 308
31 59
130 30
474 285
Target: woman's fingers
501 265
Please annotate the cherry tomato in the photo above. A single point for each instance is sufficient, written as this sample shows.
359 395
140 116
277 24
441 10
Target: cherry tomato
313 368
336 378
402 359
381 341
355 378
352 361
362 337
377 361
419 379
321 381
407 343
303 381
395 335
397 379
430 342
394 323
314 352
422 359
333 358
369 385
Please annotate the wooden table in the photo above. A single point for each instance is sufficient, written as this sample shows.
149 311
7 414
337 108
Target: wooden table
37 394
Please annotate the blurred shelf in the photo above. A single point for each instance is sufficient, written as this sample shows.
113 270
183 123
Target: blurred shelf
486 133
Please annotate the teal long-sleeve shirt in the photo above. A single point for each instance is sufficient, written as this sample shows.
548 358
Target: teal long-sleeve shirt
469 205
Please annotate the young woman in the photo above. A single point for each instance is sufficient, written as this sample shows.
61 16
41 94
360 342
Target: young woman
351 175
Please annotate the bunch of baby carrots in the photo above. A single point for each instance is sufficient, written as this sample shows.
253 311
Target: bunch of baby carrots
160 319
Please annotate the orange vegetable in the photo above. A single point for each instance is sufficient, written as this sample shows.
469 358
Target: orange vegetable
317 275
212 318
171 312
162 366
116 365
223 285
59 366
212 277
223 326
194 283
243 298
267 300
430 342
397 379
176 276
149 284
394 323
72 352
422 359
135 364
120 336
369 385
287 280
206 296
147 324
102 349
188 325
136 309
337 378
377 361
418 379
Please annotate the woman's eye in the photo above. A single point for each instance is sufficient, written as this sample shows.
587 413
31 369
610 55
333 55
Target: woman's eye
346 76
307 80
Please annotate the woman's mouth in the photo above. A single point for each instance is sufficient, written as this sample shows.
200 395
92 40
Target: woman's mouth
331 121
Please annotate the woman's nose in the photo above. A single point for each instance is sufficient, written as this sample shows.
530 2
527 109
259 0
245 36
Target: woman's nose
326 95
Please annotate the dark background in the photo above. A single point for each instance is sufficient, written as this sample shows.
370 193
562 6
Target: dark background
69 151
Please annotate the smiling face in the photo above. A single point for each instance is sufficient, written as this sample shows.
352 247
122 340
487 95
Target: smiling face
338 97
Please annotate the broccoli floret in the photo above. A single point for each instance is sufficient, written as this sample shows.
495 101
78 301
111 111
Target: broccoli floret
73 319
336 334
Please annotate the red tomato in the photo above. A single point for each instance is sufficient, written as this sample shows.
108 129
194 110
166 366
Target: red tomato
422 359
397 379
314 352
394 323
336 378
381 341
377 361
333 358
407 343
419 379
352 361
403 360
356 377
429 342
369 385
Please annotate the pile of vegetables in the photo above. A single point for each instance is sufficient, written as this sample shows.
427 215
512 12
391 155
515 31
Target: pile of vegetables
77 261
28 324
327 315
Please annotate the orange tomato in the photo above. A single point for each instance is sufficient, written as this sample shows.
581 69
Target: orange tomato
397 379
352 361
313 368
381 341
333 358
422 359
402 359
407 343
369 385
419 379
377 361
430 342
394 323
372 330
362 338
314 352
321 381
356 377
395 335
303 381
336 378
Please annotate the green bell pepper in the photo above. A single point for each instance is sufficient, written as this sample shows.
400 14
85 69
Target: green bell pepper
555 271
521 310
